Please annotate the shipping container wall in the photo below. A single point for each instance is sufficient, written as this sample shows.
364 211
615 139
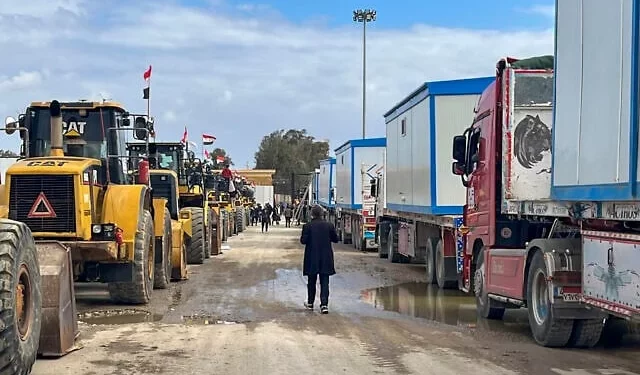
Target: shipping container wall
595 136
325 180
452 116
420 154
343 177
367 161
392 182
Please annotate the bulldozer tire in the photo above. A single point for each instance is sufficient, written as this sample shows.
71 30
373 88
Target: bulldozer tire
139 290
196 244
208 246
162 276
20 297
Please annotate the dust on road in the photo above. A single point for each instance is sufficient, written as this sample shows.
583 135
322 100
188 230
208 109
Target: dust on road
241 313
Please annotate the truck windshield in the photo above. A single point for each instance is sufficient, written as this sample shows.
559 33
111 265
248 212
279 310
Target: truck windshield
533 89
83 131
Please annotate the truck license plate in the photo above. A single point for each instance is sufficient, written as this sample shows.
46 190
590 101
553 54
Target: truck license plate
572 297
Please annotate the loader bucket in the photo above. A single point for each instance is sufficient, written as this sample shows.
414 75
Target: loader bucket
59 315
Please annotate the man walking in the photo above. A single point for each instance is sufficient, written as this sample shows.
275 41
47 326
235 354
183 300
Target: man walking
317 236
266 217
288 214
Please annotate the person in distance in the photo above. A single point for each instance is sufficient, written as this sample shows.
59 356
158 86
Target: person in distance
318 236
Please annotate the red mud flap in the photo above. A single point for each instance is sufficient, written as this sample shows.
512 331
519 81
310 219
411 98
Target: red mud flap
59 315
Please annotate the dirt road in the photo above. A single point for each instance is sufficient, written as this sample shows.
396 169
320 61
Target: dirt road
241 313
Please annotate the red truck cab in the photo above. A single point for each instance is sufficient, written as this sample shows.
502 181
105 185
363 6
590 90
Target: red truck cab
510 254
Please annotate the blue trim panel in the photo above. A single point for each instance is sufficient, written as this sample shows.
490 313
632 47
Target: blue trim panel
468 86
367 142
432 144
553 107
353 174
615 191
635 86
426 210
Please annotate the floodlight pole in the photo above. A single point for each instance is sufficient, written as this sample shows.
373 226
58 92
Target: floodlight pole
364 16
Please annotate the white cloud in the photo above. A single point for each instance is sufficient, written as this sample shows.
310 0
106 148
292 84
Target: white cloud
20 81
236 76
544 10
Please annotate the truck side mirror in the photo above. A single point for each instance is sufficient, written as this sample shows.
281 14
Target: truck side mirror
459 148
457 168
374 190
140 128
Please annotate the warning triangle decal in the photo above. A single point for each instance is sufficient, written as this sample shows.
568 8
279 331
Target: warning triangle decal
72 133
41 209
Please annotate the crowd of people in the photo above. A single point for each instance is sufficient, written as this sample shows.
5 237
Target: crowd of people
271 215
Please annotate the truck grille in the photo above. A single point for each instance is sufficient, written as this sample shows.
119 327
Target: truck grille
57 191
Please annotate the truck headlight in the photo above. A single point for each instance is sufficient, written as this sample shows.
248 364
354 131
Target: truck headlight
96 228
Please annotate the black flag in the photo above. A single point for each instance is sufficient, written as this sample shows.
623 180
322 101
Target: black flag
145 93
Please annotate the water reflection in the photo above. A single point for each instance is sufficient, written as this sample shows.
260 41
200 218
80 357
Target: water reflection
424 301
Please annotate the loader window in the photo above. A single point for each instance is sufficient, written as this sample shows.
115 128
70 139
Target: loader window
83 132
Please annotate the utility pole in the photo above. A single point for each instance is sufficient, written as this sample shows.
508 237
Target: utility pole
364 16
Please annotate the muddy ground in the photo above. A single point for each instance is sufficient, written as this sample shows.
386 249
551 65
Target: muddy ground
241 313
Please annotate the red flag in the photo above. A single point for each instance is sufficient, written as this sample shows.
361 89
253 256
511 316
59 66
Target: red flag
206 154
147 74
184 136
220 159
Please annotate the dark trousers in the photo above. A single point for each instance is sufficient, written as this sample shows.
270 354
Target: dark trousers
287 222
324 288
265 225
254 220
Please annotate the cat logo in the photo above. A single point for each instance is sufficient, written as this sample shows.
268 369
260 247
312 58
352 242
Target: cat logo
73 128
42 209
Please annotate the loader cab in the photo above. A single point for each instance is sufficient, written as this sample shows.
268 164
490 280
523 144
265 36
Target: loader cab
90 130
167 156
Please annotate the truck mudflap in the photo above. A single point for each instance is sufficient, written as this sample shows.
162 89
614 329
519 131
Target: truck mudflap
59 314
612 272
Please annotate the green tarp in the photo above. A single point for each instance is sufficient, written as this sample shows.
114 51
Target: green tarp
538 62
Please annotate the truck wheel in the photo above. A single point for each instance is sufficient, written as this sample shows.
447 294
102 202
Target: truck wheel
485 306
430 262
441 275
196 245
613 332
21 298
163 269
392 253
383 234
586 333
139 290
546 329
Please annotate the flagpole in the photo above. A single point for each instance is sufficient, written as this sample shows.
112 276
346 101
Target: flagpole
149 100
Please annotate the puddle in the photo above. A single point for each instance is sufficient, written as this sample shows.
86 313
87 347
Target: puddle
124 316
420 300
204 320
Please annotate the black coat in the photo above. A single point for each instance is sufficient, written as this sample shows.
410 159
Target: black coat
317 237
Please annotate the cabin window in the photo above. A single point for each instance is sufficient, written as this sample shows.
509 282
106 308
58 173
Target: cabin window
403 127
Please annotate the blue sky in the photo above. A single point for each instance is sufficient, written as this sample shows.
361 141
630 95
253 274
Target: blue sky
241 69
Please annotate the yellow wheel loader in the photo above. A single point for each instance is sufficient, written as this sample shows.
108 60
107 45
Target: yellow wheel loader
170 239
196 218
68 192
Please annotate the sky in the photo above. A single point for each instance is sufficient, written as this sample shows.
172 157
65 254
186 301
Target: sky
241 69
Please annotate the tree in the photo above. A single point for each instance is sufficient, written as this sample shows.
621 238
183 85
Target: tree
8 154
213 155
290 152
